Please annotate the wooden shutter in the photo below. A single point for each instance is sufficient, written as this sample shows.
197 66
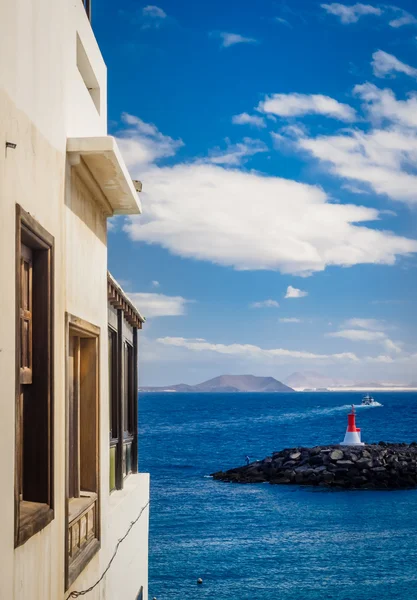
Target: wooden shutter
26 295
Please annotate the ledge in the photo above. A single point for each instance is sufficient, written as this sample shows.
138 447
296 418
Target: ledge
76 506
97 160
135 484
33 517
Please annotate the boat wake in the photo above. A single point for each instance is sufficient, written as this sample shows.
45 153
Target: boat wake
373 405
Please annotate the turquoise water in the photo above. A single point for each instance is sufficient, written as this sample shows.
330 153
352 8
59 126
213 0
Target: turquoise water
264 542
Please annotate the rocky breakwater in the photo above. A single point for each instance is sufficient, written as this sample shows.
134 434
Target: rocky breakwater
375 466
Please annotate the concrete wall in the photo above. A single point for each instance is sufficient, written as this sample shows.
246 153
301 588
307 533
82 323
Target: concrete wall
44 100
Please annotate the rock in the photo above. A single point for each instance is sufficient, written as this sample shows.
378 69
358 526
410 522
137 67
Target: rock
383 467
336 455
301 469
364 463
280 480
341 471
359 481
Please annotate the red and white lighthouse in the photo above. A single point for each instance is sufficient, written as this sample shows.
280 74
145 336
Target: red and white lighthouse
353 433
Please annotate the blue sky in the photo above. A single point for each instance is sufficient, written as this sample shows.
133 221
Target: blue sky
277 144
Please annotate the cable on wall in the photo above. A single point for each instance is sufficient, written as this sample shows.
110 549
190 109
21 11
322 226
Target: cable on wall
76 594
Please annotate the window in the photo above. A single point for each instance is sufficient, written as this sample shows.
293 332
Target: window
34 377
113 406
122 398
129 399
83 445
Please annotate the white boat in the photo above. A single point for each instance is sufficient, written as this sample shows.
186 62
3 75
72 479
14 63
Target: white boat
369 401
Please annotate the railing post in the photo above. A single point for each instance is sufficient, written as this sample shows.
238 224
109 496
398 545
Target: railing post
135 402
120 449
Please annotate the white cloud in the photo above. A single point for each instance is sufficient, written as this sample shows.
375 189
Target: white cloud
288 135
207 212
296 130
290 320
352 13
348 14
358 335
159 305
368 330
254 352
382 105
236 154
403 18
384 64
282 21
142 143
383 157
382 358
293 105
246 119
293 292
231 39
265 304
372 324
154 12
155 283
354 189
391 346
153 17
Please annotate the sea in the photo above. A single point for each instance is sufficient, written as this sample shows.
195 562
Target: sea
272 542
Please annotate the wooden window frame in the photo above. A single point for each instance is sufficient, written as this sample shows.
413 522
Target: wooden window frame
113 398
31 516
79 510
127 408
124 437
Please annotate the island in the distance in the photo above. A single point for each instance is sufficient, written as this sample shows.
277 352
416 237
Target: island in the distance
227 383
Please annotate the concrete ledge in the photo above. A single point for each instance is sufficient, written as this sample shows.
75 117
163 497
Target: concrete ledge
104 162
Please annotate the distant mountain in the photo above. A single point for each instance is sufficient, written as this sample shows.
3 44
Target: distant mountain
309 379
373 385
227 383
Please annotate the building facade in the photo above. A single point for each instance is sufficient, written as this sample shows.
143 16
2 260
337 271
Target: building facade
68 333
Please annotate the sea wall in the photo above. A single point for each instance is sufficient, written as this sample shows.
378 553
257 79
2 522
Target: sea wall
380 466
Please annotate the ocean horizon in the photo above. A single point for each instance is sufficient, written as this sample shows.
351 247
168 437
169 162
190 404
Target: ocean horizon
251 542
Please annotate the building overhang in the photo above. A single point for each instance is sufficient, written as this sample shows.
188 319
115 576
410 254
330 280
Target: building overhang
97 160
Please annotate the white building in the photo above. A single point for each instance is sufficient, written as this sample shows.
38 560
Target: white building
68 334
